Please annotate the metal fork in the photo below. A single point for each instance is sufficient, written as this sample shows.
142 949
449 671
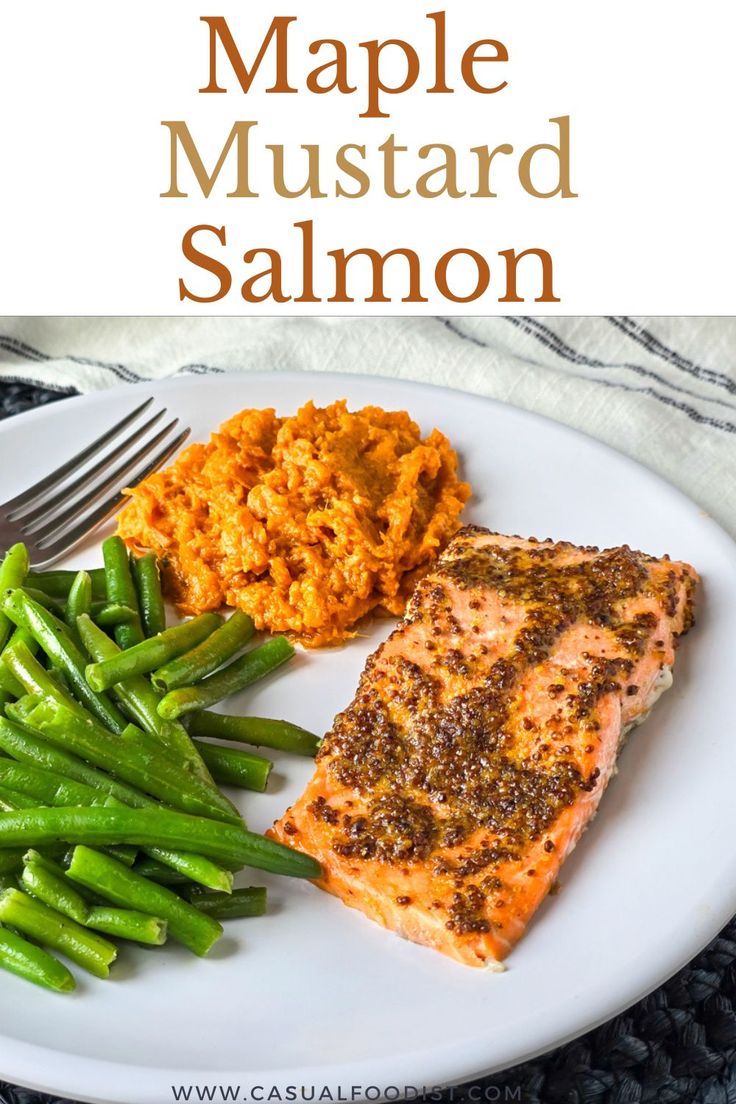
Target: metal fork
53 515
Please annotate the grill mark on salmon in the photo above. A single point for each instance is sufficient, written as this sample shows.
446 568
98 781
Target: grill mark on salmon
484 732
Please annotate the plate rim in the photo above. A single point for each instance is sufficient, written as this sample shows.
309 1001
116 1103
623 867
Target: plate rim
146 1081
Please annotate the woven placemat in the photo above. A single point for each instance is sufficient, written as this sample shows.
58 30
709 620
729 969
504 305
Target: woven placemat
677 1046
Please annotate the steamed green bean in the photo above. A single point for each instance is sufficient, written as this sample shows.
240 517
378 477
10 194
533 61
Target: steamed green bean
10 799
50 928
28 747
58 583
112 614
145 827
79 600
260 731
20 957
125 923
155 774
54 891
52 636
120 589
148 587
124 888
217 649
149 654
140 701
250 667
232 767
31 676
250 901
13 571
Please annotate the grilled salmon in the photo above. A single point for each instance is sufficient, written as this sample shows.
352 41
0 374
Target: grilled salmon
484 732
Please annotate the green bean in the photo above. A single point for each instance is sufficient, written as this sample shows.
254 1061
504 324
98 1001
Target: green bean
42 859
232 767
151 653
140 701
61 682
157 872
240 673
11 859
127 889
260 731
22 636
217 649
123 853
45 600
52 863
9 684
222 906
63 652
79 600
29 748
151 771
86 948
21 742
129 924
138 738
18 710
57 584
48 881
30 675
112 613
10 800
31 787
150 599
56 610
13 571
146 827
54 891
192 867
27 961
45 787
121 589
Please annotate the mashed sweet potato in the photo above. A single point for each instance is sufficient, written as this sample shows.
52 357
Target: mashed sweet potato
307 523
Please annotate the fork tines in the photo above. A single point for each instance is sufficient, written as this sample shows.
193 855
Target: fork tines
60 509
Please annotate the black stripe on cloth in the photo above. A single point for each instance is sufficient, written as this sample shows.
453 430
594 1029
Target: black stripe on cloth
557 345
552 340
577 357
20 349
652 344
26 352
127 375
451 326
122 371
199 370
543 335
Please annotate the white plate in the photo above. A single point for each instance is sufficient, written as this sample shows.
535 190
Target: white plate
316 995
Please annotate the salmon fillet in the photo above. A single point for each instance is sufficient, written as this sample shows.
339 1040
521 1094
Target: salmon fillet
484 732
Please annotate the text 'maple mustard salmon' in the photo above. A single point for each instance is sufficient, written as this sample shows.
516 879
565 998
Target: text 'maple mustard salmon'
483 733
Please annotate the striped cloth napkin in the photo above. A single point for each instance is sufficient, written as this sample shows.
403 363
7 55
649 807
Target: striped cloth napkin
662 390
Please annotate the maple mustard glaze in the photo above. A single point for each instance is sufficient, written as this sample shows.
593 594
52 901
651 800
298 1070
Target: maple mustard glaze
443 742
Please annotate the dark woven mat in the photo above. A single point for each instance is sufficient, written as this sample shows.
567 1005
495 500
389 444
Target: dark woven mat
677 1046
